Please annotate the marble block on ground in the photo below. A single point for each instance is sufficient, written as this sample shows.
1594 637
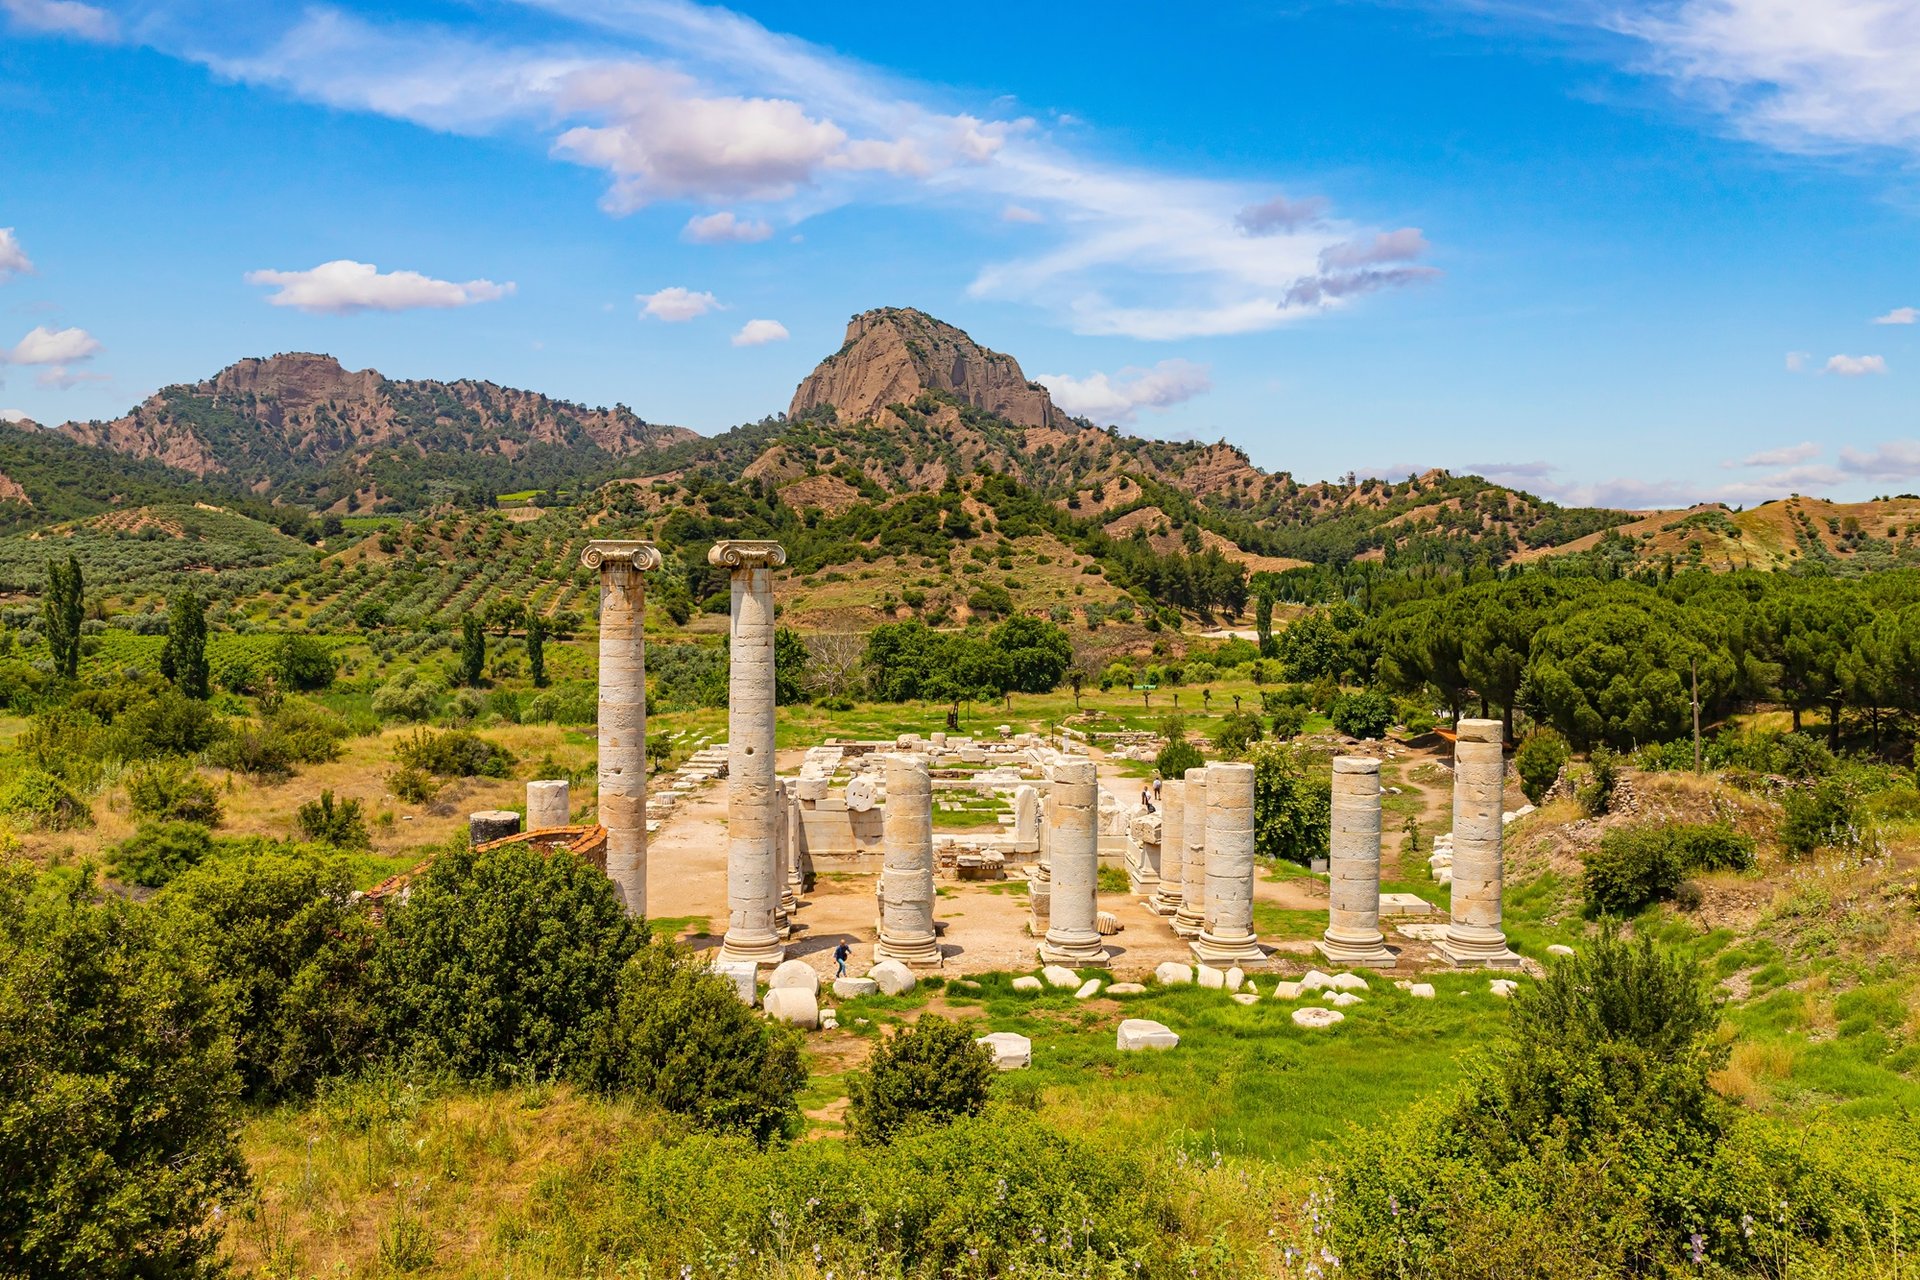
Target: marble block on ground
850 988
1011 1050
1144 1033
796 1005
892 977
1027 982
1060 976
1173 973
1127 989
1404 904
794 973
742 978
1314 1018
1088 989
1287 991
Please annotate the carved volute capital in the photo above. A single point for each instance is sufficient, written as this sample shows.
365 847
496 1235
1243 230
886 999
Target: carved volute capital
747 554
622 554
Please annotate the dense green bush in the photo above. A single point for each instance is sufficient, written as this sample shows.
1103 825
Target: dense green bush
931 1073
1292 802
118 1122
304 663
159 851
294 733
1594 794
338 823
505 961
1635 866
454 753
167 724
1822 815
34 797
1539 760
173 792
1177 757
280 930
1288 721
1237 731
408 696
1362 715
680 1037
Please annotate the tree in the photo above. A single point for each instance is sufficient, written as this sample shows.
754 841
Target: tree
119 1131
1292 804
833 662
1037 653
932 1073
1539 761
1362 715
336 823
64 609
537 648
304 663
473 651
790 659
184 659
1263 623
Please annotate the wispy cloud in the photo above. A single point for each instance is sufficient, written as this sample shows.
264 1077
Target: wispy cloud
1020 213
683 102
1856 366
675 304
724 228
345 287
757 333
13 259
1782 457
1895 460
1797 361
1899 315
14 415
1119 397
61 18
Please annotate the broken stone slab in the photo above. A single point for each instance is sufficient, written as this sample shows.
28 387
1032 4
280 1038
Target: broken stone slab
1107 923
1236 977
1212 979
1428 932
1144 1033
1503 987
1060 976
1245 997
795 1005
794 973
1172 973
1011 1050
829 1021
1559 949
1348 982
892 977
1315 981
1287 991
1314 1018
1342 999
1127 989
1028 982
1404 904
852 988
742 978
1088 989
1421 990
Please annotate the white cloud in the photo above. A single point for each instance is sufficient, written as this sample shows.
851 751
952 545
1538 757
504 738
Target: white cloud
1119 397
54 346
1899 315
61 378
675 304
1895 460
1837 74
14 415
1782 457
61 18
755 333
13 259
673 99
1856 366
1020 213
344 287
1797 361
1403 245
724 228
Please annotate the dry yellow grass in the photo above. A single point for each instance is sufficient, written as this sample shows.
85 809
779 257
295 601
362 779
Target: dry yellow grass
1752 1070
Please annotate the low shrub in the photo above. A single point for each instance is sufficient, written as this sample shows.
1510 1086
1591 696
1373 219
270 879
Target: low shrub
1237 731
930 1074
454 753
1595 792
173 793
1826 814
37 798
415 786
337 823
408 696
1362 715
1636 866
1539 761
1177 757
159 851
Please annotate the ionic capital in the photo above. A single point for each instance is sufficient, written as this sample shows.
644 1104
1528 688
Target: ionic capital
602 552
747 554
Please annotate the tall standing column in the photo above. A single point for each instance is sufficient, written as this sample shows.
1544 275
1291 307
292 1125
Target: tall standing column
623 711
1191 915
1173 848
784 904
906 879
753 871
1073 931
1479 783
1228 934
1353 867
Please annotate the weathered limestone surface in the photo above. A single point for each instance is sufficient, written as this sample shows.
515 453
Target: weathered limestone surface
893 977
786 903
1353 867
1474 936
797 1005
1190 916
1228 934
754 882
623 711
1026 819
1173 848
1040 879
548 804
1144 1033
906 882
1073 934
492 824
794 973
1011 1050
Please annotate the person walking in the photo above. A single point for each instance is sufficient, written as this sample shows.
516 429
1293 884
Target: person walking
840 954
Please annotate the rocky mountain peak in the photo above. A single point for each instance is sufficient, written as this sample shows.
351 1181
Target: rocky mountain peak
294 380
892 354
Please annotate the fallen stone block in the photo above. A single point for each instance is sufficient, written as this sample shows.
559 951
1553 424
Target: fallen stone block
796 1005
1314 1018
1287 991
893 977
1348 982
1315 981
1503 987
1173 974
1236 976
1011 1050
1028 983
1088 989
1144 1033
852 988
1421 991
1559 949
794 973
1058 976
1341 999
1245 997
1212 979
742 977
1127 989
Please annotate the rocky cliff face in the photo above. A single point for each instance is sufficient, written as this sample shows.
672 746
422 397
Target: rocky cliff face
892 354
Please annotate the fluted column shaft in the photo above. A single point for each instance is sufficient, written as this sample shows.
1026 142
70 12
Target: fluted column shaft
1190 916
1228 934
623 711
1173 847
1353 866
1474 936
906 879
753 865
1073 933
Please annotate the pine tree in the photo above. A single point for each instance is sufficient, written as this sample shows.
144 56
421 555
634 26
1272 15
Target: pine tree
184 660
537 648
64 610
473 651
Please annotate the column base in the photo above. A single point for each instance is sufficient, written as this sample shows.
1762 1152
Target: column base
1474 953
1161 905
754 951
1213 950
1075 955
913 953
1187 924
1342 953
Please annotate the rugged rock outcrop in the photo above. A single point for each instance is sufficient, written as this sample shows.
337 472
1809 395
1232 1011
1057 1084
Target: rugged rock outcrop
892 354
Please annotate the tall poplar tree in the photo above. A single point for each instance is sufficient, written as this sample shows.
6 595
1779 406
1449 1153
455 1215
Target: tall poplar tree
64 609
184 660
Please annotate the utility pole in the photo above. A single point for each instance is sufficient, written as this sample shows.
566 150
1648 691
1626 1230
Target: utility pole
1694 664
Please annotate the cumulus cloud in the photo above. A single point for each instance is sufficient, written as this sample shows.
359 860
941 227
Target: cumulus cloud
676 100
1899 315
61 18
345 287
13 259
757 333
1856 366
46 346
1785 456
1895 460
1119 397
1281 214
675 304
724 228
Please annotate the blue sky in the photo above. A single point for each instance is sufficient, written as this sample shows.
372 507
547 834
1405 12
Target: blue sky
1633 253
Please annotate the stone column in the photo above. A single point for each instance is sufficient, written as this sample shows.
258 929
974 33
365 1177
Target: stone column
1173 848
548 804
1040 877
1228 934
1353 868
1073 933
1479 782
783 855
906 880
753 872
491 824
623 711
1191 915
